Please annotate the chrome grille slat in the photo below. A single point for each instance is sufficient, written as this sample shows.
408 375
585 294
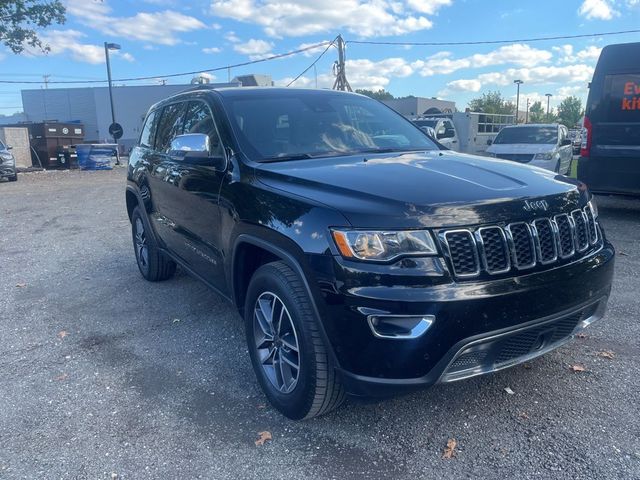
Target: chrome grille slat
497 249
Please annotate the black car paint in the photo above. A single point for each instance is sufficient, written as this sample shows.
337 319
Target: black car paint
613 164
288 208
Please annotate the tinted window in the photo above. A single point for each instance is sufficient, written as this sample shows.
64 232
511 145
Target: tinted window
199 119
622 98
426 123
149 131
170 125
527 135
319 124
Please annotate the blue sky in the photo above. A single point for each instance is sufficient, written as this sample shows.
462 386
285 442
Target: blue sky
160 37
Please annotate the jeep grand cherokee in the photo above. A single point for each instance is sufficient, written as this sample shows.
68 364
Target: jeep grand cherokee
364 257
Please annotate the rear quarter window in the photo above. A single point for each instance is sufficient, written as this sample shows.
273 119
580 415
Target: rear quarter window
149 130
622 98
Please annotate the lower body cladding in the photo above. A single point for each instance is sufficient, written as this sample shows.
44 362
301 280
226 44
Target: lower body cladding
393 329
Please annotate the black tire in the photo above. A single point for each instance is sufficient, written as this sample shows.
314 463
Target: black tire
153 264
317 389
14 178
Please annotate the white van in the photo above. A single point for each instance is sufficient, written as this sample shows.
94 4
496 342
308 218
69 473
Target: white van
543 145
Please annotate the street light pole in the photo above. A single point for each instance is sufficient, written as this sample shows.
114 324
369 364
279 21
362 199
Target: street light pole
548 95
518 83
111 46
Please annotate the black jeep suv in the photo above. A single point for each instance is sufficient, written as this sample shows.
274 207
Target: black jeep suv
364 257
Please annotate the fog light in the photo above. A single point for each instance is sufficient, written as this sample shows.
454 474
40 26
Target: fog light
400 327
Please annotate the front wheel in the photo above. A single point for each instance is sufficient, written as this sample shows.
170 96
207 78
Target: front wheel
288 353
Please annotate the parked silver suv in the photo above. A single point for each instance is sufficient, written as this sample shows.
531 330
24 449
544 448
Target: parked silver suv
7 163
542 145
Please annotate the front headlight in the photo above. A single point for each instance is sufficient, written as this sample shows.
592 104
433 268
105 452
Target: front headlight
543 156
7 157
383 245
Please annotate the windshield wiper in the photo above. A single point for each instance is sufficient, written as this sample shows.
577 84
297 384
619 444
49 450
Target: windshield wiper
385 150
284 158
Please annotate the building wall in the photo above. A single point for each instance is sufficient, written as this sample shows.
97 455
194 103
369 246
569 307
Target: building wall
91 107
18 139
415 106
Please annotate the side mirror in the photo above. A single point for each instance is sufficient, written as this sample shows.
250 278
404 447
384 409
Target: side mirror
9 147
489 142
194 148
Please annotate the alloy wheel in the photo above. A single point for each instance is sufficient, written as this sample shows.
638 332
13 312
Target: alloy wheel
276 341
142 249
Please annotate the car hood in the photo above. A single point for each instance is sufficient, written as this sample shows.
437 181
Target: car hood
524 148
423 189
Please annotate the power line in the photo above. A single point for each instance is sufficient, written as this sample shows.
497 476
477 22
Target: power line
313 64
171 75
490 42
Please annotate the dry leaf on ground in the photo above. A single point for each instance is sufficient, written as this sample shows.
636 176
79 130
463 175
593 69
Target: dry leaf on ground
62 377
21 285
264 436
578 368
450 449
606 354
62 334
509 391
581 335
524 415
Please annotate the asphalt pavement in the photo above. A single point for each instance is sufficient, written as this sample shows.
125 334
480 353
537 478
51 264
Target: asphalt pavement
103 375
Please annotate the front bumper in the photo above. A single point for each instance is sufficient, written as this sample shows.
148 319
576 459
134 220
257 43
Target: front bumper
479 327
7 170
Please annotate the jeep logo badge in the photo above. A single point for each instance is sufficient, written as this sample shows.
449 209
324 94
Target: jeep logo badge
532 206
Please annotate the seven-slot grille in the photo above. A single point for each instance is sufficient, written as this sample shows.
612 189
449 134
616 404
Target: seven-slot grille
520 245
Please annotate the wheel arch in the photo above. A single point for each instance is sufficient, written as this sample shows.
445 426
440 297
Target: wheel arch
270 252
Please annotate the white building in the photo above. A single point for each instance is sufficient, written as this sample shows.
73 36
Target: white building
90 106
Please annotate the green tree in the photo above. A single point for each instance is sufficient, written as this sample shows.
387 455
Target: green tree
492 102
381 94
537 113
570 111
19 20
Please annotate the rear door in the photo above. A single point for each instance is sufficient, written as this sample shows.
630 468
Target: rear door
615 142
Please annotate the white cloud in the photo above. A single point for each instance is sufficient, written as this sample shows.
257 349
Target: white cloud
567 54
516 54
282 18
597 9
465 85
211 50
361 73
156 27
69 42
253 47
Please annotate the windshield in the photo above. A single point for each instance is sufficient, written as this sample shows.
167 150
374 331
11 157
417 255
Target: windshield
308 124
538 135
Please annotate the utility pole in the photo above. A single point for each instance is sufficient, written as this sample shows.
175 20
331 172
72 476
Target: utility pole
518 83
341 82
548 95
526 117
112 46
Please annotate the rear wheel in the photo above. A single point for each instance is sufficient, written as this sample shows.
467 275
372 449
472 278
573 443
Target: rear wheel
288 353
153 264
14 178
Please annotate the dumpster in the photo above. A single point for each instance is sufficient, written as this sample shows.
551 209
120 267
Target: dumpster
67 157
96 156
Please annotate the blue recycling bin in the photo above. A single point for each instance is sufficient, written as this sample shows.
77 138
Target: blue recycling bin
96 156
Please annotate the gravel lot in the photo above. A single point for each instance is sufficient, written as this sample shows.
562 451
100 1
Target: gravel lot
103 375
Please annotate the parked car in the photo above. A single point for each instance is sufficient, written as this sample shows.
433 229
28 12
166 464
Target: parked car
7 163
541 145
610 155
364 258
576 140
443 130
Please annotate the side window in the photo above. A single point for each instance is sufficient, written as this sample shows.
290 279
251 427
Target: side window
149 131
170 125
199 119
449 131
